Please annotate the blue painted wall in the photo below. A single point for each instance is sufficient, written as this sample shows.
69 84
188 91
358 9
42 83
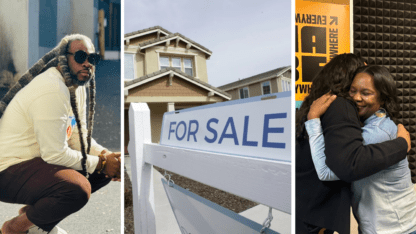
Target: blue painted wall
48 15
33 53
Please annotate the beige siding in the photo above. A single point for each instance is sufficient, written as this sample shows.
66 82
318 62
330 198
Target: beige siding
139 65
273 84
156 118
234 94
161 87
181 44
254 90
152 62
202 67
138 40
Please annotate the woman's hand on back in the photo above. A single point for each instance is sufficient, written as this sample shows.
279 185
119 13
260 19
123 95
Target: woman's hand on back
402 132
320 105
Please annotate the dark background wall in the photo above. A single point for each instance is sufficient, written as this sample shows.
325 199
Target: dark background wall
385 34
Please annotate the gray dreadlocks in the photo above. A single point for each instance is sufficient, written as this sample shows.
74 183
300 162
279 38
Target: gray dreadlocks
55 57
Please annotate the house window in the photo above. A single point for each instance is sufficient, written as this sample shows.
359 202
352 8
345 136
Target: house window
164 62
265 86
244 93
285 85
182 64
129 66
187 64
176 63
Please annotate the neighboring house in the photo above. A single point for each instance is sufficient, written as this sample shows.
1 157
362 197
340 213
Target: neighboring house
168 71
277 80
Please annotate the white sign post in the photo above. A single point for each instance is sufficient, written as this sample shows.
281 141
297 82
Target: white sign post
241 147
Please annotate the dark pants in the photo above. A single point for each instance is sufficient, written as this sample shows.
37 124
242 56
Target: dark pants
53 192
305 228
317 230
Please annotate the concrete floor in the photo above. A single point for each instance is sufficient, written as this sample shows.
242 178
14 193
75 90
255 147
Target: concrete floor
102 214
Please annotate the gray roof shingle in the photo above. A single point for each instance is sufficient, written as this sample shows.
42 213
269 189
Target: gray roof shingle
242 82
145 30
153 41
170 35
128 83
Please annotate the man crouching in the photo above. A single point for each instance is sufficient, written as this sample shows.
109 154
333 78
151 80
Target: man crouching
43 161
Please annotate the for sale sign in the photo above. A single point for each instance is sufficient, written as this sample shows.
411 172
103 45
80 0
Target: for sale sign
255 127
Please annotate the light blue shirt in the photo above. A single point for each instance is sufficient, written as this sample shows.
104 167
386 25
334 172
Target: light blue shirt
384 202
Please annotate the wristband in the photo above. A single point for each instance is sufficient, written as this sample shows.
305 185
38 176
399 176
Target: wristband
103 162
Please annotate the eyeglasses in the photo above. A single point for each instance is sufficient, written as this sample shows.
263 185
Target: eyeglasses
80 56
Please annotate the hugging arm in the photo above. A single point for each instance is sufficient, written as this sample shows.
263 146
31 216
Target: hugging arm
346 155
317 144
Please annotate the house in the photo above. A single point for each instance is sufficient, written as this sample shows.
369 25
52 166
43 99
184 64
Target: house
168 71
277 80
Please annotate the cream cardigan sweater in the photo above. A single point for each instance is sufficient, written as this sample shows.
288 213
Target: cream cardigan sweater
39 122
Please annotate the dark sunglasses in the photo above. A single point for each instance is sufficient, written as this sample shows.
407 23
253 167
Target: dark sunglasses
80 56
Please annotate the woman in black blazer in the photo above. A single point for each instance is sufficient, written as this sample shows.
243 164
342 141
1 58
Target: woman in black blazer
321 204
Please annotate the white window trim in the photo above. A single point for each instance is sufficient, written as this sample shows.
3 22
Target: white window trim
270 86
134 65
160 64
248 92
180 51
288 80
171 55
192 65
279 83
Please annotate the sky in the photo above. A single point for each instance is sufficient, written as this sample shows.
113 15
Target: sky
246 37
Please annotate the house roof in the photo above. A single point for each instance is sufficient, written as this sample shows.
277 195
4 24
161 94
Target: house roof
256 78
149 77
174 36
145 31
168 36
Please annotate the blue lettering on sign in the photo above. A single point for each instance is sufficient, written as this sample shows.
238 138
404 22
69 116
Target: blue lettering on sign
170 129
229 131
190 132
230 122
213 131
184 131
267 130
245 141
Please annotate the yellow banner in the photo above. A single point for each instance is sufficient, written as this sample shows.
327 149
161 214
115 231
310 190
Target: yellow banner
322 32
